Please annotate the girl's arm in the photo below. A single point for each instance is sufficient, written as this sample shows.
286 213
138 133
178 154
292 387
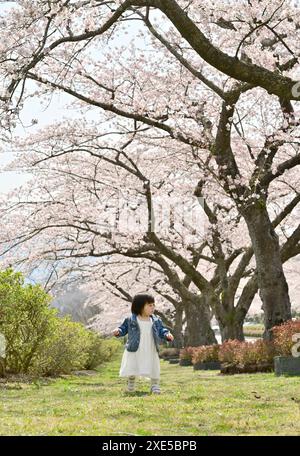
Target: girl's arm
163 331
123 328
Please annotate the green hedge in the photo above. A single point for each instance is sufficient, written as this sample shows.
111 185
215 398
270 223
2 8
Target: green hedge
38 341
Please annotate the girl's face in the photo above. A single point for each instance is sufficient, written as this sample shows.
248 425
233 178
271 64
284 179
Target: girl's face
148 309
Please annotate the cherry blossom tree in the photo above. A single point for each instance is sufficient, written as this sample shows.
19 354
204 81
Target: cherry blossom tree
218 79
67 213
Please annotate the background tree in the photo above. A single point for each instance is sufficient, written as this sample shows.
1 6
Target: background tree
59 226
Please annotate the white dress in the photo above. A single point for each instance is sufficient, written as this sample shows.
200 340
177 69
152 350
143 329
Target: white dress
145 361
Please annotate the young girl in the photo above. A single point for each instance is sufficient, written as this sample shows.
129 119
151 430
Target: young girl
145 333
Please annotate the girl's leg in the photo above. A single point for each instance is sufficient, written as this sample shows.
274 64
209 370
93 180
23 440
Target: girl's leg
131 383
155 386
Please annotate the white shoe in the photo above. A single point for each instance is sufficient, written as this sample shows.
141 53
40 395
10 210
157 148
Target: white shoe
155 389
131 385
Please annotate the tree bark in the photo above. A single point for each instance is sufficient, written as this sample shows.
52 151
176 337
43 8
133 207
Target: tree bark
232 328
178 341
2 366
230 318
198 330
273 287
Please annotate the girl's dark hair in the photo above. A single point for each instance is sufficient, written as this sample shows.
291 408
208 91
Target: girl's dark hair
139 301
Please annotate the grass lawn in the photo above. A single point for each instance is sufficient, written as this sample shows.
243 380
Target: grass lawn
254 330
191 403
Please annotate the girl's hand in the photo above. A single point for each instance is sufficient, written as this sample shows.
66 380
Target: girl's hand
116 332
169 336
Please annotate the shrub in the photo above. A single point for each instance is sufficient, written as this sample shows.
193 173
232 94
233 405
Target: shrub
246 353
64 350
205 353
186 353
73 347
169 352
111 346
94 350
258 352
26 320
38 341
100 350
282 337
227 351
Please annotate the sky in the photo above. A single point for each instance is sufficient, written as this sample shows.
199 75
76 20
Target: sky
32 110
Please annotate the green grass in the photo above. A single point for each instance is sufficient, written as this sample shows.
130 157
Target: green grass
254 330
191 403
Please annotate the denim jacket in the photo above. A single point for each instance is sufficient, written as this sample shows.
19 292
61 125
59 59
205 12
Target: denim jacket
130 325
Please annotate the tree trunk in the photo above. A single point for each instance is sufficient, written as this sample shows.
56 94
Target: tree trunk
174 323
230 318
198 329
232 328
177 330
2 367
273 288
